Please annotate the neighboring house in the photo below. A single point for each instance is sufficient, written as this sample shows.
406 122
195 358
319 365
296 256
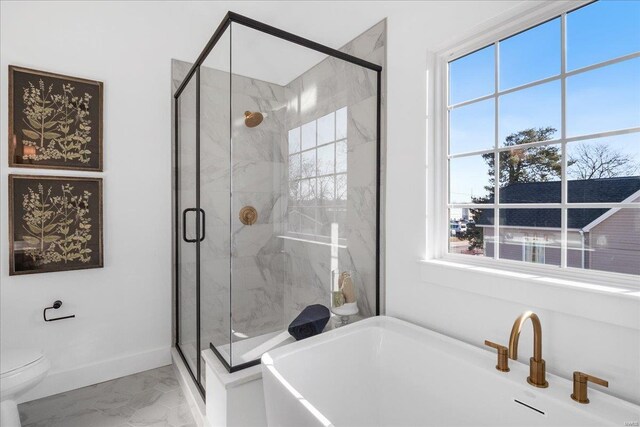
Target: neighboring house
600 239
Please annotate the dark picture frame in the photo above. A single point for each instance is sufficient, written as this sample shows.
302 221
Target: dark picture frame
55 121
55 224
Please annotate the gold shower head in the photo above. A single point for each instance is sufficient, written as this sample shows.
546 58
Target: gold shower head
252 120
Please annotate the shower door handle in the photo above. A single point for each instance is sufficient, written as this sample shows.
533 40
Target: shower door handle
184 225
204 224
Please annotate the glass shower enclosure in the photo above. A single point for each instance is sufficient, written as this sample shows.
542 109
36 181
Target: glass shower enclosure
276 191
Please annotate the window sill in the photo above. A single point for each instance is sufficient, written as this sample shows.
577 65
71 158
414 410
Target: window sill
617 305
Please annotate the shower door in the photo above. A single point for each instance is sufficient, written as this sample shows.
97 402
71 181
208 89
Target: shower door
202 216
186 214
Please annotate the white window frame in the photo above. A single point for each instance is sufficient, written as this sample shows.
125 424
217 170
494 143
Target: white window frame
520 20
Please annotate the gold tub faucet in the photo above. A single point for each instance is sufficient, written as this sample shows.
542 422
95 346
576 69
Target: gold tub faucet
580 385
537 370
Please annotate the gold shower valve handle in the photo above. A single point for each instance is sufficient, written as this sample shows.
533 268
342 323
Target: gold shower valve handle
248 215
503 356
580 380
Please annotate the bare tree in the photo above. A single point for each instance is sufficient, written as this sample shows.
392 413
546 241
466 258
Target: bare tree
600 160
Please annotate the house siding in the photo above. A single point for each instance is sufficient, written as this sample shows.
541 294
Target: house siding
611 245
511 246
615 243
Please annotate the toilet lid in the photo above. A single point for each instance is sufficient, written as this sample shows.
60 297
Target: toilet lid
16 358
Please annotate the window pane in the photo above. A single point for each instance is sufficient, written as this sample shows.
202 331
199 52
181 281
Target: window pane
293 218
309 135
341 187
470 179
308 167
326 159
308 189
604 169
341 156
307 220
604 239
530 235
472 76
601 31
537 107
471 231
531 55
604 99
341 123
294 140
472 127
294 191
294 167
531 175
325 219
326 128
326 189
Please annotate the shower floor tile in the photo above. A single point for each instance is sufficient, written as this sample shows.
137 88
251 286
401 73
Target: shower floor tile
149 398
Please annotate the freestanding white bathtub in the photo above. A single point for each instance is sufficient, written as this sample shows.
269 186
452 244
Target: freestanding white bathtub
386 372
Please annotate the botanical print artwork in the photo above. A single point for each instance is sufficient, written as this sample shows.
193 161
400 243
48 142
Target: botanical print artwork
56 223
48 221
54 121
48 120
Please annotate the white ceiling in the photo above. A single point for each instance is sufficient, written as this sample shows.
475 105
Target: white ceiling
332 23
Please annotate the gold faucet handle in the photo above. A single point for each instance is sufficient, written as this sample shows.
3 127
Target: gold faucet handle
498 347
503 356
580 380
596 380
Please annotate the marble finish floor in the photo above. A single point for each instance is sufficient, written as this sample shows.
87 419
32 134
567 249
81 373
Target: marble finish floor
151 398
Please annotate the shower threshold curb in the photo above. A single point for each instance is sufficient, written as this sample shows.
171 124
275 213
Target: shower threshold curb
191 394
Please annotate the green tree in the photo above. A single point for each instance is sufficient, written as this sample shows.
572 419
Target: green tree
517 165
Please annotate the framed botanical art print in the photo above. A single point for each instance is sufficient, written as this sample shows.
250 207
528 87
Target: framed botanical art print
55 223
55 121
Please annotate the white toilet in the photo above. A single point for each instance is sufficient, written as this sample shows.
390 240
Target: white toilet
20 370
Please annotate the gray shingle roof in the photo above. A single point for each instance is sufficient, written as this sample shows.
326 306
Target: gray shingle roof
604 190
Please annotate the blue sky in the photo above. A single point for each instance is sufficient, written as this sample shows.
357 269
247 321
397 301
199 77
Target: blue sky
599 100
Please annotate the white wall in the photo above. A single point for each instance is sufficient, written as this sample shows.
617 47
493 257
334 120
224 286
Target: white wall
420 293
123 314
124 309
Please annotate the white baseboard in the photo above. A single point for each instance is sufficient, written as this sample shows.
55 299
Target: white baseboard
93 373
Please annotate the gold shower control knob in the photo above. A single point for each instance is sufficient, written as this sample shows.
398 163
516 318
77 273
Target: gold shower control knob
248 215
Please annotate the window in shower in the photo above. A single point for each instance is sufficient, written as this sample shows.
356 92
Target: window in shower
318 176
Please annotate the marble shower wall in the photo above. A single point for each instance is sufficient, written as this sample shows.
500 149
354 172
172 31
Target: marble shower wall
325 88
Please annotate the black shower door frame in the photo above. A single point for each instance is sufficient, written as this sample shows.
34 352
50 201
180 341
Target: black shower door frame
194 71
